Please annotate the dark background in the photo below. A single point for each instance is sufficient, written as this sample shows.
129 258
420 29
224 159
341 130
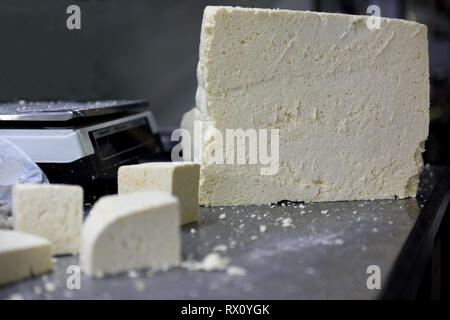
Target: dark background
149 49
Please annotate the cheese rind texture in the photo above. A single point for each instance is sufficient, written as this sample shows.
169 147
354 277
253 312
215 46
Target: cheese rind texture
178 178
23 255
54 212
131 231
351 104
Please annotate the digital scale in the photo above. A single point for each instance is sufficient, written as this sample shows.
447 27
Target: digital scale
83 143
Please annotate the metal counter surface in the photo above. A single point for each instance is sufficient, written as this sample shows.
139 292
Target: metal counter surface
323 254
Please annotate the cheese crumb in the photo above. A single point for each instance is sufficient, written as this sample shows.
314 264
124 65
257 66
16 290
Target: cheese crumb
214 262
140 286
133 274
50 286
220 248
286 222
236 271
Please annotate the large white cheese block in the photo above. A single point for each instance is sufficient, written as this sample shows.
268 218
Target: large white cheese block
52 211
23 255
178 178
351 104
135 230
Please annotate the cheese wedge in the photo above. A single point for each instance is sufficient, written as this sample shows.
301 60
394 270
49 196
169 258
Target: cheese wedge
23 255
131 231
351 104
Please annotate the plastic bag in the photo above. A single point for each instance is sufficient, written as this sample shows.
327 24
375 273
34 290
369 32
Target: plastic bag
15 167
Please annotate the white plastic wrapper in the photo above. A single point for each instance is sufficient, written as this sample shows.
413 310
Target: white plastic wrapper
15 167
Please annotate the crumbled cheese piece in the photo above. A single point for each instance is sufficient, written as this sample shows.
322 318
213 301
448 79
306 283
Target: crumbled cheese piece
140 286
236 271
132 274
211 262
214 262
220 248
286 222
50 286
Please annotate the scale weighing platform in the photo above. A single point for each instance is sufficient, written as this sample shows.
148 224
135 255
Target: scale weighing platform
83 143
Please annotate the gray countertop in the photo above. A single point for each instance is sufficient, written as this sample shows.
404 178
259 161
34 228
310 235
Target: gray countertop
323 254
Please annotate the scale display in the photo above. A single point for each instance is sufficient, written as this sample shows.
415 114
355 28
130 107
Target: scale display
125 137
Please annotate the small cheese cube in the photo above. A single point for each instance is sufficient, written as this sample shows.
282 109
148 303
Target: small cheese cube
23 255
130 231
54 212
179 178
